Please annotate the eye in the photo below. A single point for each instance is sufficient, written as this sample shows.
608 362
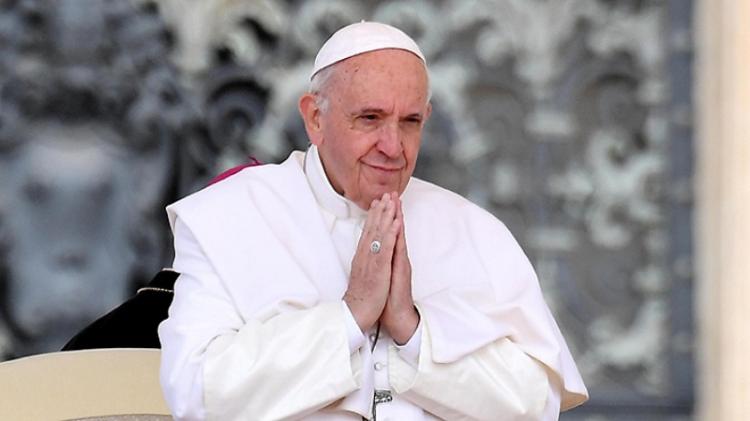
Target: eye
368 120
412 122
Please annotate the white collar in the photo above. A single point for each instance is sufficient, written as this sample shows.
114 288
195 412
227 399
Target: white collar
324 193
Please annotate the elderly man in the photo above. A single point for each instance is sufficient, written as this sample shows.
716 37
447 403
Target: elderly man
335 286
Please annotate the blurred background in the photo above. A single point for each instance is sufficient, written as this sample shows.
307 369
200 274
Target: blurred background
573 121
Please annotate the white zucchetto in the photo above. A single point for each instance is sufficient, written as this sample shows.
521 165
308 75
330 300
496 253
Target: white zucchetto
362 37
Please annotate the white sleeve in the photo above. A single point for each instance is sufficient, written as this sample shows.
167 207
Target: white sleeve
498 381
215 365
409 351
353 332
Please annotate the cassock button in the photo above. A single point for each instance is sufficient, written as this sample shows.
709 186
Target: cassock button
379 366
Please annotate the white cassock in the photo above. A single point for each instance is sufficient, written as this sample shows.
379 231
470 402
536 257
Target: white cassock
258 329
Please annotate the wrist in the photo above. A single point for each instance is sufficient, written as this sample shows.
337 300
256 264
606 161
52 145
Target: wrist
403 328
360 313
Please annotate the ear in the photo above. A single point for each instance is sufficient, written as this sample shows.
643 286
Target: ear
310 113
427 113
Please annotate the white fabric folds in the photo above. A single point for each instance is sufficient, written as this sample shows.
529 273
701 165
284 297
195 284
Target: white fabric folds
471 281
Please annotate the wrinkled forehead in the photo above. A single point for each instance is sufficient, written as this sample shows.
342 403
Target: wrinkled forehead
384 75
394 59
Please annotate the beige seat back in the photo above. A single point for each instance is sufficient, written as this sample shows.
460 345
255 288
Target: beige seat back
99 383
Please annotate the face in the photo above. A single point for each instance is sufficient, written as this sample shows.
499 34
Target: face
368 136
70 236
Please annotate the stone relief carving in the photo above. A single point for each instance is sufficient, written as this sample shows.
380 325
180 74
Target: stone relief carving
92 124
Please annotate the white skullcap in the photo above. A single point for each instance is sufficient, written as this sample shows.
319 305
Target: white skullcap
362 37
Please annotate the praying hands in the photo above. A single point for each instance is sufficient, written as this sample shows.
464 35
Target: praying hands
380 281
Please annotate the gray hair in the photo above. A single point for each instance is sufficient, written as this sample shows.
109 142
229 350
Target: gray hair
320 86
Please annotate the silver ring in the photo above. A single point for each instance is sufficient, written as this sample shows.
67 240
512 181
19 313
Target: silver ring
375 247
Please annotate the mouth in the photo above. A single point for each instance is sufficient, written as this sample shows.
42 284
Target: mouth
385 169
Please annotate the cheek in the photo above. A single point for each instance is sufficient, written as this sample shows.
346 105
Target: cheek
350 156
360 146
347 163
411 149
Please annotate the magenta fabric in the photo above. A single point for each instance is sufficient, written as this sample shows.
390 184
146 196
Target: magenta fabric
234 170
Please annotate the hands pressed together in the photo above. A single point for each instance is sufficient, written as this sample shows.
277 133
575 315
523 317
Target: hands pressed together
380 281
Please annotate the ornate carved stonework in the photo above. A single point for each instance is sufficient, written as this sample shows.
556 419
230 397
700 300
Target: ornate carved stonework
92 125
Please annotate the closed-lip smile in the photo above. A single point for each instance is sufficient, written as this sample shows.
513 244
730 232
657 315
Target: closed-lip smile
381 168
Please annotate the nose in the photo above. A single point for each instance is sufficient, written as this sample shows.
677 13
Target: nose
389 142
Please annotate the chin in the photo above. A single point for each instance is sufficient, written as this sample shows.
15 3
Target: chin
379 194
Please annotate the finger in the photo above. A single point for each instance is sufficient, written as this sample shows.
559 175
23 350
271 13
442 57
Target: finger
398 203
388 223
388 215
400 256
379 218
402 233
383 203
399 253
387 231
401 242
377 215
390 236
372 222
378 211
399 214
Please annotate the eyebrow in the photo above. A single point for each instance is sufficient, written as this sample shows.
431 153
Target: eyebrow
369 110
375 110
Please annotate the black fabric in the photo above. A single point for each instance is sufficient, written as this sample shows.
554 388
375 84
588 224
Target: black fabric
133 324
